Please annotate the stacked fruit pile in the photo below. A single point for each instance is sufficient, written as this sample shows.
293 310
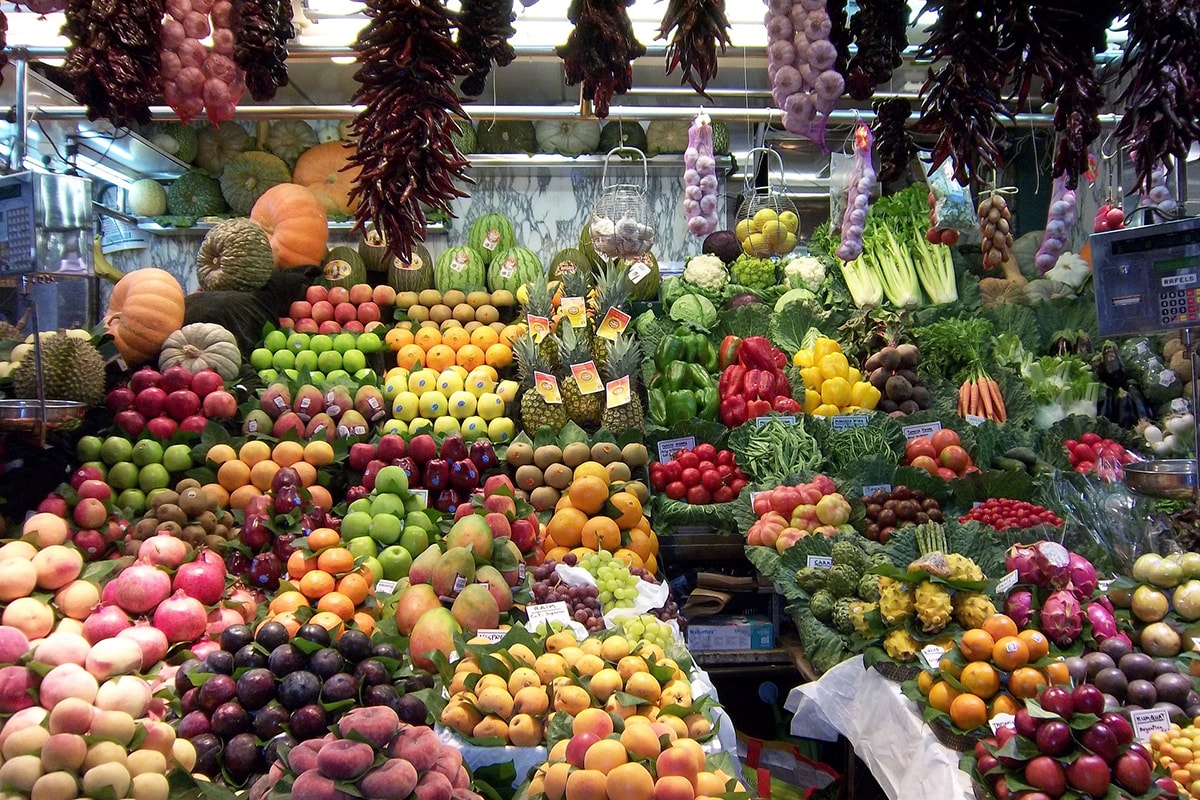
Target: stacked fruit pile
1164 592
887 510
941 454
330 311
597 514
893 371
189 513
250 470
542 474
787 514
450 472
316 357
133 471
455 400
164 402
1060 586
699 476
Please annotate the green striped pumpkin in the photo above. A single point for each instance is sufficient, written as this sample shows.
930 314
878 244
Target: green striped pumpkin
343 267
513 267
491 234
644 277
413 275
459 268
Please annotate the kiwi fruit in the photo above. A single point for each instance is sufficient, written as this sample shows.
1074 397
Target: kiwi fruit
193 503
519 454
544 498
575 454
529 477
605 453
187 483
169 512
546 455
635 454
171 528
165 496
193 535
557 476
145 528
487 314
207 520
212 541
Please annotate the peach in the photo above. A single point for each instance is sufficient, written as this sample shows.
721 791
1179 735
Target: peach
588 664
72 715
57 565
15 685
559 751
114 656
577 748
21 773
13 644
710 783
433 786
662 729
524 731
312 785
571 655
523 654
532 700
25 742
677 761
18 549
104 752
557 642
113 725
614 706
643 685
550 666
448 762
490 682
383 295
303 756
18 578
693 747
676 693
67 680
677 725
630 781
614 648
630 665
32 617
605 755
595 721
521 678
494 700
45 529
77 599
150 786
417 745
462 717
54 786
183 753
697 725
640 740
555 781
489 727
344 759
64 751
141 762
571 699
68 625
673 787
109 775
605 682
586 784
376 724
159 736
395 779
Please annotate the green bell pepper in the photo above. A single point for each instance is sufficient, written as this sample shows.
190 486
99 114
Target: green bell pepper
699 376
681 405
708 401
657 402
706 354
670 349
678 375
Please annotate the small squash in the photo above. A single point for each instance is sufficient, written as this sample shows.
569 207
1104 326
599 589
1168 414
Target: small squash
235 254
145 308
323 169
294 220
287 138
202 345
568 137
248 175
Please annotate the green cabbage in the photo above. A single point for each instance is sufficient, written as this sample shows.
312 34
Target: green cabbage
694 309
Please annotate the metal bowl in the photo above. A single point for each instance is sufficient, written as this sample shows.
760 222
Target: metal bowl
26 415
1171 478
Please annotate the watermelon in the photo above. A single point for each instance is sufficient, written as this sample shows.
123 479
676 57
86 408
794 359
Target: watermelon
512 268
643 274
343 267
490 234
506 136
413 275
459 268
594 259
622 133
567 261
374 250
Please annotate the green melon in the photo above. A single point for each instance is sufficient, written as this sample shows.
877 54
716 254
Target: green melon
512 268
459 268
595 261
373 250
490 234
644 277
413 275
195 194
622 133
343 267
567 261
506 136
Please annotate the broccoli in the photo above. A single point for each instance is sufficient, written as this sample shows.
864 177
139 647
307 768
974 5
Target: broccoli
822 605
868 588
843 620
842 580
811 579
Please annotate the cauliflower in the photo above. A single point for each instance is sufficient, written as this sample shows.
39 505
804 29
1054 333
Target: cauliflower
963 568
707 274
899 645
805 272
933 606
895 600
972 608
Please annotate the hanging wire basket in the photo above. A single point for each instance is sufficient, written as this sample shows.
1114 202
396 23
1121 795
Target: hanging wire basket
620 224
767 222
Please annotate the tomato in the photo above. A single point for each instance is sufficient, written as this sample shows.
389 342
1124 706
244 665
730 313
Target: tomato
926 463
737 484
699 496
762 502
954 458
671 471
1090 438
706 466
920 446
705 452
676 490
690 477
943 439
657 478
725 457
946 474
688 458
723 495
711 480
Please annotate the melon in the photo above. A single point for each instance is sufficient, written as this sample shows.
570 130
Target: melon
506 136
464 140
568 137
343 267
373 250
622 133
147 198
566 262
459 268
491 234
513 268
720 134
413 275
667 136
644 277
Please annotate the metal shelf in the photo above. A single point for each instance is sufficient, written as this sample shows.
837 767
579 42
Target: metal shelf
203 226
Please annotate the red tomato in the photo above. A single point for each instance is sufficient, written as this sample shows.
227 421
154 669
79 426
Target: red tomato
711 480
671 471
737 484
688 458
724 470
706 466
676 490
762 503
954 458
943 439
725 457
946 474
699 496
920 446
926 463
690 477
723 495
705 452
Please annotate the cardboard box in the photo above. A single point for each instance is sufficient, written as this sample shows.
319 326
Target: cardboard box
731 633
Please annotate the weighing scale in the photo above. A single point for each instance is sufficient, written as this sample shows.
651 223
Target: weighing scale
1147 280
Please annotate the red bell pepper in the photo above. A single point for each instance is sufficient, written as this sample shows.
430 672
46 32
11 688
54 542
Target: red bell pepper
785 405
759 384
731 380
755 353
733 410
782 385
780 359
728 352
757 408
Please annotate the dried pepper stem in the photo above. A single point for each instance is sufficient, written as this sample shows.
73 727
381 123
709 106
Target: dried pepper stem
699 28
601 49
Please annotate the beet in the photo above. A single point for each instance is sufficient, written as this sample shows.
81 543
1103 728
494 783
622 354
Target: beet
743 299
724 245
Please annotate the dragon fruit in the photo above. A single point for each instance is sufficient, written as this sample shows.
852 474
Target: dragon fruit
1054 564
1019 606
1021 558
1104 624
1083 577
1062 618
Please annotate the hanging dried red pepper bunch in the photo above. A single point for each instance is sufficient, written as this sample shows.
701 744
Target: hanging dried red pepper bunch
894 145
1162 100
112 66
408 65
262 30
700 29
484 28
600 52
880 30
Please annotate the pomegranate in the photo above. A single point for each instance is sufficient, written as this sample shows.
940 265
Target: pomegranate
106 621
164 550
181 617
201 579
141 587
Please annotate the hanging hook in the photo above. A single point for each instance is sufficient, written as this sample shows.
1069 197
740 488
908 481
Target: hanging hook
1105 142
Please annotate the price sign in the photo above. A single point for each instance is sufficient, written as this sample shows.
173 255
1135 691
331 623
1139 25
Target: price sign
617 392
421 493
786 419
974 420
916 431
820 562
547 386
613 325
1148 720
548 612
539 327
1002 721
668 447
493 635
876 487
843 422
575 310
1103 585
931 654
587 377
1006 583
386 587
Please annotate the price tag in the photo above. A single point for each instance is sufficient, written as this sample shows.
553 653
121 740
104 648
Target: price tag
931 654
614 324
638 270
575 310
668 447
548 612
841 422
916 431
975 420
1006 583
617 392
491 239
1002 721
547 386
587 377
820 562
539 327
786 419
1196 642
386 587
876 487
508 267
1148 720
493 635
421 493
1103 585
459 262
460 583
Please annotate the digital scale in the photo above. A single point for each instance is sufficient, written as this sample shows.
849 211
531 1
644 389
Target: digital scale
1146 280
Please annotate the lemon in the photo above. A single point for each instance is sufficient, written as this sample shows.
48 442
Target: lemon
765 215
773 232
759 246
742 230
789 244
790 221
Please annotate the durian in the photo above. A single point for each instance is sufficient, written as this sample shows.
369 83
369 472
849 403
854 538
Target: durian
72 369
10 332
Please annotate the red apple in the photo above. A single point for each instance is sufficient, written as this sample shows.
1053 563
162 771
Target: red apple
316 293
90 513
353 326
131 422
286 323
1089 774
361 454
90 542
220 405
149 402
54 504
300 309
329 327
143 379
207 381
163 427
181 404
376 326
344 312
368 312
390 447
322 311
95 488
86 474
307 325
176 379
195 423
119 399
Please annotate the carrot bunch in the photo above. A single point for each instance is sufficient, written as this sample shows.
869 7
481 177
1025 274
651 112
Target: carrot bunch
979 396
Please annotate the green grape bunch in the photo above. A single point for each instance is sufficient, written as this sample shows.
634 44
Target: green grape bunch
617 587
646 628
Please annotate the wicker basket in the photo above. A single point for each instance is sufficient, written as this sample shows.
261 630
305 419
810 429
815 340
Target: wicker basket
767 222
620 222
962 742
895 671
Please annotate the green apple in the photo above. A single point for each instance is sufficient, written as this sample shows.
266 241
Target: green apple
415 502
474 428
260 358
500 430
320 343
405 406
147 451
316 377
88 448
116 448
306 361
336 375
297 342
275 340
132 499
489 406
420 425
153 476
394 426
415 540
177 458
366 375
389 480
396 561
292 375
353 360
371 565
123 475
268 375
419 518
388 504
343 342
385 529
283 360
368 342
99 466
356 524
446 426
362 546
329 361
462 404
361 504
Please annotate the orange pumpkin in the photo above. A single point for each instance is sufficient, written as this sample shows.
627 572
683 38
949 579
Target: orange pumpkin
323 169
294 220
145 308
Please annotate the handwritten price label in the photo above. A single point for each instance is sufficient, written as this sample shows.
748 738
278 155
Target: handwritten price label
1002 721
548 612
1006 583
820 562
916 431
493 635
386 587
931 654
667 448
876 487
843 422
1149 720
421 493
786 419
974 420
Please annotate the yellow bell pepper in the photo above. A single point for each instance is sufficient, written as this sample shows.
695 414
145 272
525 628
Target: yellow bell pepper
853 375
865 395
835 392
834 365
826 410
812 399
823 347
812 378
803 358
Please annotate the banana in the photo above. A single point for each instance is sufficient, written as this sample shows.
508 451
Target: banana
101 265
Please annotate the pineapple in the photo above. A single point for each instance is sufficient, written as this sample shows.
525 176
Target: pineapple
612 291
536 413
575 284
539 303
624 358
584 409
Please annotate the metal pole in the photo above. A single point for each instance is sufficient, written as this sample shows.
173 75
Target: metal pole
16 157
26 280
1188 340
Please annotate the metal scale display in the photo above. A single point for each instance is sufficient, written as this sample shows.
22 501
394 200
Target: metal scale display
1147 281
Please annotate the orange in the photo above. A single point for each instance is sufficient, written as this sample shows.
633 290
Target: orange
410 356
1026 682
439 357
968 712
1002 704
511 333
220 453
288 601
639 543
594 468
355 587
976 645
564 501
321 497
288 620
232 474
925 681
298 565
397 338
365 622
319 453
630 509
240 497
566 526
1009 653
307 473
484 337
999 626
980 679
320 538
454 338
498 355
949 667
629 558
600 533
287 453
469 357
1058 673
1037 643
556 553
262 473
588 494
254 451
652 565
316 583
218 493
327 620
941 695
337 603
426 337
335 560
